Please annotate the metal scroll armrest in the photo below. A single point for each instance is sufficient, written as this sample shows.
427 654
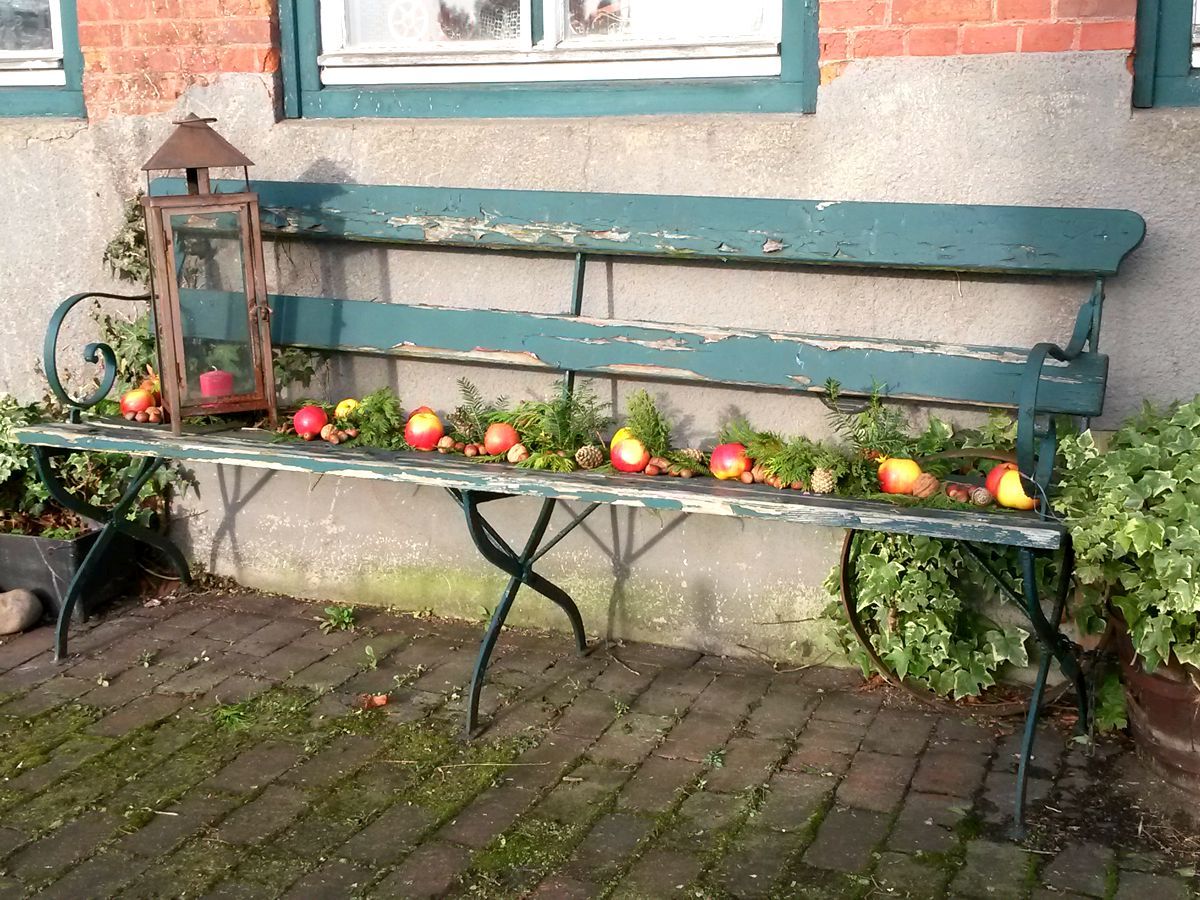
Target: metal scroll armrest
1037 441
93 353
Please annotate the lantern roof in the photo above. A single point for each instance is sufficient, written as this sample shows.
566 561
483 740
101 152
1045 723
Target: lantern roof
194 145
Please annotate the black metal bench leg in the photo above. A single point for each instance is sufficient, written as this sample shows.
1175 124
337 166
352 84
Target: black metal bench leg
520 571
485 652
1054 647
115 521
563 601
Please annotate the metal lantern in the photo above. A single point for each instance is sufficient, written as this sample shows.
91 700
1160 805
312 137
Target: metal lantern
211 316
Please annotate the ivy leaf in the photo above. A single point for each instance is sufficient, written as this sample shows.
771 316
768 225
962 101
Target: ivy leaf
1007 646
899 658
1145 534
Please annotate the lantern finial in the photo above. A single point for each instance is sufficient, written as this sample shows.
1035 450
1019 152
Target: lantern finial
194 145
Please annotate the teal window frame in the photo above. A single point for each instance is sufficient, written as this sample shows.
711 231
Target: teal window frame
1162 62
794 90
64 101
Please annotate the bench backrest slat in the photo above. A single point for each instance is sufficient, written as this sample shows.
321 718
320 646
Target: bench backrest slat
985 376
1020 240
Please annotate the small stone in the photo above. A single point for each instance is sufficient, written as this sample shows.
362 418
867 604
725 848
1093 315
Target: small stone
19 609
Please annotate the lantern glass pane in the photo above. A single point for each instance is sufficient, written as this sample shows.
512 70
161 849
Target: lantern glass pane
215 324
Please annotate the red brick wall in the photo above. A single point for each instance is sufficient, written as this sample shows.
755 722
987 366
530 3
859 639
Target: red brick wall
140 55
855 29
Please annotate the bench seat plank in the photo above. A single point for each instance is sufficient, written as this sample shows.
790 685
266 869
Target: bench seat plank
951 237
914 370
257 449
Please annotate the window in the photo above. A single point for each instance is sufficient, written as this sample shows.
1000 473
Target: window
456 41
40 66
547 57
1166 64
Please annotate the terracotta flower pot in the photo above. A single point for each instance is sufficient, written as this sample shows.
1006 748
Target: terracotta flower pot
1164 715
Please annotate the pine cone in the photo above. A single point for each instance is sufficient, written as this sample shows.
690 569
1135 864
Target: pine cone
460 422
693 454
823 481
589 457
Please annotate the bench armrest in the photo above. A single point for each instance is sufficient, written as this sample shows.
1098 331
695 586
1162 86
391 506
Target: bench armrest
1037 443
93 353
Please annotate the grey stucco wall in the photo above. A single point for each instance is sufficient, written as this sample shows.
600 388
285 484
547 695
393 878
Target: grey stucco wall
1051 129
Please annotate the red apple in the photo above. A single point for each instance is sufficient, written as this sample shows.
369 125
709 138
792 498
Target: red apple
898 475
136 401
993 477
729 461
421 409
629 455
308 421
499 438
1010 492
424 430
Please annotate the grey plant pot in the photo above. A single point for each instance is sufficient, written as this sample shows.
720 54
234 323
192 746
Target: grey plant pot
47 565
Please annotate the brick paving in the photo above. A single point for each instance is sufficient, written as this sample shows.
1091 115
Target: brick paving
216 746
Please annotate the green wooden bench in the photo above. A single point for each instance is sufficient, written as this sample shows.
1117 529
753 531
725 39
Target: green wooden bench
1013 242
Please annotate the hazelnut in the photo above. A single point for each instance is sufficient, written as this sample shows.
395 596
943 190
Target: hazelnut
652 469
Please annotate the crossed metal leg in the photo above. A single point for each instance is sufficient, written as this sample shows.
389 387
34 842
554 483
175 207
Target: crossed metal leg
519 568
115 521
1054 645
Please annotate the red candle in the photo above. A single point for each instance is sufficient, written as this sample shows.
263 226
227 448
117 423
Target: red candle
217 383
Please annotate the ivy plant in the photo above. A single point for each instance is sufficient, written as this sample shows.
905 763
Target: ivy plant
1132 514
99 478
918 598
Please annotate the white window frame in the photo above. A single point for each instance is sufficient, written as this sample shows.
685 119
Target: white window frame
37 68
1196 34
559 56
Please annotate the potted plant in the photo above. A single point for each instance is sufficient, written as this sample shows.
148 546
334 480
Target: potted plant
1133 510
41 543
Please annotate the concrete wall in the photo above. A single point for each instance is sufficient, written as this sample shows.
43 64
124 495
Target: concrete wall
1053 129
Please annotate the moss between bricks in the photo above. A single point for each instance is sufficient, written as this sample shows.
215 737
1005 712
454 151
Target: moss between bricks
518 859
420 763
29 742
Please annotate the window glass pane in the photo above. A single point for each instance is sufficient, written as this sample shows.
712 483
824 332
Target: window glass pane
214 314
407 23
25 25
670 20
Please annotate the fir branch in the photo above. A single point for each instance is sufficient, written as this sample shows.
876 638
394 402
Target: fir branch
877 428
470 420
681 459
379 419
648 424
548 460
